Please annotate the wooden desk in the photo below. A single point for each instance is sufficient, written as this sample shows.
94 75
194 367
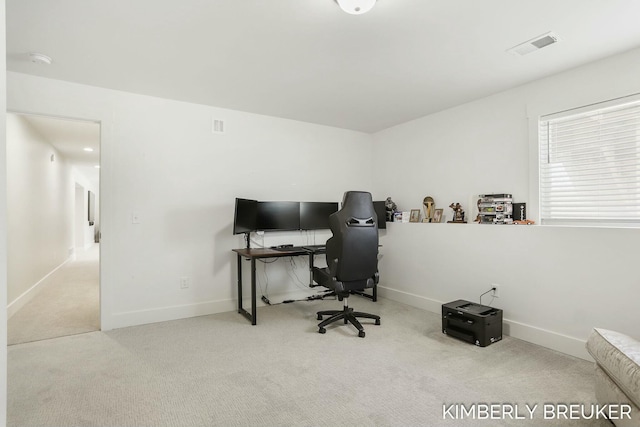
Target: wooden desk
253 254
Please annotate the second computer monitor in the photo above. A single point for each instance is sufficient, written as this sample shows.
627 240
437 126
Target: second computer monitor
315 215
280 216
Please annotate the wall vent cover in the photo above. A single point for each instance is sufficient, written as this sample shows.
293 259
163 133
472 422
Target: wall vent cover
218 126
534 44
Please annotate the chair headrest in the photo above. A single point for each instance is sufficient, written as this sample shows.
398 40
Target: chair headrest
359 204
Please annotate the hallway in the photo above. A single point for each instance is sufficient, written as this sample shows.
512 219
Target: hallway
67 303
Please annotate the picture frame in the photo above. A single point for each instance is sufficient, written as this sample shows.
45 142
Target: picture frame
437 215
415 215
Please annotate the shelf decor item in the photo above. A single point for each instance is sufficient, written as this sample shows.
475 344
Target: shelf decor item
428 204
391 209
519 211
415 215
437 215
495 208
458 214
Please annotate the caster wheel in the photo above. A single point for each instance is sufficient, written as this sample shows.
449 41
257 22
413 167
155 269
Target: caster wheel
361 334
319 317
377 321
322 330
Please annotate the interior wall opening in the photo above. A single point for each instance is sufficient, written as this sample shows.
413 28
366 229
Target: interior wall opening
53 262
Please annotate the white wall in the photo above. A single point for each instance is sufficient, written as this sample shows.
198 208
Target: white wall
3 221
78 223
557 282
40 199
160 160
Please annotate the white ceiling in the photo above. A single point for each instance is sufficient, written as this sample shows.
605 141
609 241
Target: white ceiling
70 138
306 59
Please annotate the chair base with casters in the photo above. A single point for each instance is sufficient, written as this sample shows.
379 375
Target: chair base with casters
347 315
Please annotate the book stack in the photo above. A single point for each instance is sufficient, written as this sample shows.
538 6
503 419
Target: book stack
495 209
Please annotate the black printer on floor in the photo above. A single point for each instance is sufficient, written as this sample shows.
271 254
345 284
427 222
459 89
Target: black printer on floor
478 324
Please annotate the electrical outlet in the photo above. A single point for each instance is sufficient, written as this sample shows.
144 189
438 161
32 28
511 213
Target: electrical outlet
496 291
184 282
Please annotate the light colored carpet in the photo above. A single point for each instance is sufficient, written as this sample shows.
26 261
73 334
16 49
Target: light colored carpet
67 303
218 370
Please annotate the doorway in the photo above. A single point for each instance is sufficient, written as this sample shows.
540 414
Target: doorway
53 234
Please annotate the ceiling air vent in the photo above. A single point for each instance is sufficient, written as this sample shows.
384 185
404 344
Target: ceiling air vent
218 126
534 44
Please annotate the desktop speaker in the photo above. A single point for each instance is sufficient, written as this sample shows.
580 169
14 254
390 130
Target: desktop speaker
519 211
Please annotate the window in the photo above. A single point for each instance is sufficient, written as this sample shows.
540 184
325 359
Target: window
590 165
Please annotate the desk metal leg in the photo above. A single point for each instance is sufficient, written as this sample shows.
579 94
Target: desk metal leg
374 294
239 266
250 316
311 285
253 292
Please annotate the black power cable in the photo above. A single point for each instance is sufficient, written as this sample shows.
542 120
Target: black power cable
490 290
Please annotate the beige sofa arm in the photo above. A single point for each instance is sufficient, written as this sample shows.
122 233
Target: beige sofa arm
618 356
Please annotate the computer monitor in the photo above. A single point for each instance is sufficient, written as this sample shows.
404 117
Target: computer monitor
280 216
245 216
381 212
315 215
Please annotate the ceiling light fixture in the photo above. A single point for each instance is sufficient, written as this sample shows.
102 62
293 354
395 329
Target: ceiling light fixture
97 166
356 7
89 149
40 58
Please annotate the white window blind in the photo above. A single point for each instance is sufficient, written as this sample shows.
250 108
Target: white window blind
590 165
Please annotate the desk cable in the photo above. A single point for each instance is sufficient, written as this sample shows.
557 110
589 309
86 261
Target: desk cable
265 292
291 272
311 297
260 245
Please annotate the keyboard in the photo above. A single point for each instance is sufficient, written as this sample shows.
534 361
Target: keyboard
305 248
291 249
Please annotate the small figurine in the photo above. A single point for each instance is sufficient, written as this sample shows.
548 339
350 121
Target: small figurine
391 209
458 213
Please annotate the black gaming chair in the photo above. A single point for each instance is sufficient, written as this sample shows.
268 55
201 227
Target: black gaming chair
352 257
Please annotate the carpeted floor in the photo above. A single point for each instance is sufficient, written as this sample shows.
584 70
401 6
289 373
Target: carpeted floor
67 303
218 370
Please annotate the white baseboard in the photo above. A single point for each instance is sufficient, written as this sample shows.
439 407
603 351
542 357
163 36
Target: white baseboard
29 294
533 334
163 314
553 340
410 299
